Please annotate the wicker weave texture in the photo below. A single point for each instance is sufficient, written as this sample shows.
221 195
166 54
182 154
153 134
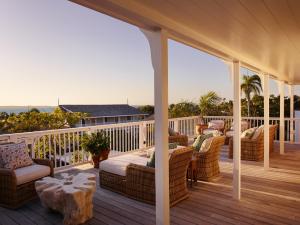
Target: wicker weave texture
253 150
180 139
112 182
13 196
208 162
140 180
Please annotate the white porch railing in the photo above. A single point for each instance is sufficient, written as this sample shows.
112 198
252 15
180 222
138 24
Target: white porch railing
64 145
257 121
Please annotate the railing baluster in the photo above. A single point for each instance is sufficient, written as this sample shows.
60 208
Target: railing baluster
59 149
44 147
49 145
54 151
65 149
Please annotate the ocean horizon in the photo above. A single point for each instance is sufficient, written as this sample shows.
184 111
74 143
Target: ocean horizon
19 109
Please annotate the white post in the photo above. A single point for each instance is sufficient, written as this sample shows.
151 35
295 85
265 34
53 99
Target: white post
142 135
291 93
159 53
266 121
281 120
237 131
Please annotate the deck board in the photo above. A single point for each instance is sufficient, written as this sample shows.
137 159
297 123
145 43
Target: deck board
268 197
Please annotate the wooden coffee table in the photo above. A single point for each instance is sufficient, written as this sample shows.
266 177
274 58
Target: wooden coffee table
72 196
192 170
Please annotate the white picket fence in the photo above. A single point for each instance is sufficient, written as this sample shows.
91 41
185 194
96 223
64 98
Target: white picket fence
64 145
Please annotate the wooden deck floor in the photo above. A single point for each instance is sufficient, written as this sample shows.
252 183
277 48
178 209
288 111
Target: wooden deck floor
271 197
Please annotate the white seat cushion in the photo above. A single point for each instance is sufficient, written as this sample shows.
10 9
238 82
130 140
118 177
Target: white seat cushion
117 165
30 173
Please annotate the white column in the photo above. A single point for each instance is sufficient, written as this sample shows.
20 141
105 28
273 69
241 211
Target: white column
237 131
281 120
291 93
159 53
266 121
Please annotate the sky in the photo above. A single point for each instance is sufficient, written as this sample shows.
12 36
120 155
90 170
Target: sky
54 49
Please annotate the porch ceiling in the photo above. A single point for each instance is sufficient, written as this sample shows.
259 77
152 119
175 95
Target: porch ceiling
263 34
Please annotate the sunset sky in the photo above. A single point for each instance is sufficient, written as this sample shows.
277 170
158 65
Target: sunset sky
54 49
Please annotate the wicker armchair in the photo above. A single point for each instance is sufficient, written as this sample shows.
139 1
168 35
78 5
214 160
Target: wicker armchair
253 150
13 195
140 180
208 162
180 139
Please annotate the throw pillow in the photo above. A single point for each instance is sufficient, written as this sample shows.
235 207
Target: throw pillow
3 146
172 132
206 144
248 133
151 161
198 142
173 145
15 156
257 132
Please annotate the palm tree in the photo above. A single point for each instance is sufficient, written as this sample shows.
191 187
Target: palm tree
251 85
207 101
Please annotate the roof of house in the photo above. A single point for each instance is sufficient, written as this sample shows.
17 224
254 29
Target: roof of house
103 110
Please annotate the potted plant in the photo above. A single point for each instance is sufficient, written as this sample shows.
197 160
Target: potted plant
97 144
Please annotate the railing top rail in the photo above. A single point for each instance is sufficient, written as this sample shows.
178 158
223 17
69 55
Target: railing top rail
249 118
73 130
121 125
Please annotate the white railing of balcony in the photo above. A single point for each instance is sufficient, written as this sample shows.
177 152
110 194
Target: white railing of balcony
64 145
257 121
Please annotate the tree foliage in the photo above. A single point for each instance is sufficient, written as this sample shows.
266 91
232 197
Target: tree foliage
251 85
208 102
148 109
183 109
37 121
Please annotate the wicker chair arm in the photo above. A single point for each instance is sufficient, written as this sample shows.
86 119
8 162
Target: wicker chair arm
46 162
8 179
140 174
247 140
199 154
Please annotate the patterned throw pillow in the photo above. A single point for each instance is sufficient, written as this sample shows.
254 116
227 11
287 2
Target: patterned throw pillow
257 132
173 145
151 162
200 139
248 133
206 144
15 156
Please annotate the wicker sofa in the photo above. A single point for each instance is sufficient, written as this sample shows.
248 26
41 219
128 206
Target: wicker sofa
17 186
208 162
139 180
253 150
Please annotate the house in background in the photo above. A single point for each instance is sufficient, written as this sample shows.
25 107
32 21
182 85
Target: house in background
105 114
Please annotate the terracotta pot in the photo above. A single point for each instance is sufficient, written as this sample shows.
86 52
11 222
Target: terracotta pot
104 154
96 160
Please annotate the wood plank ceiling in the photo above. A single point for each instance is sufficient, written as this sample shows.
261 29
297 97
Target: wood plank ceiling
263 34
